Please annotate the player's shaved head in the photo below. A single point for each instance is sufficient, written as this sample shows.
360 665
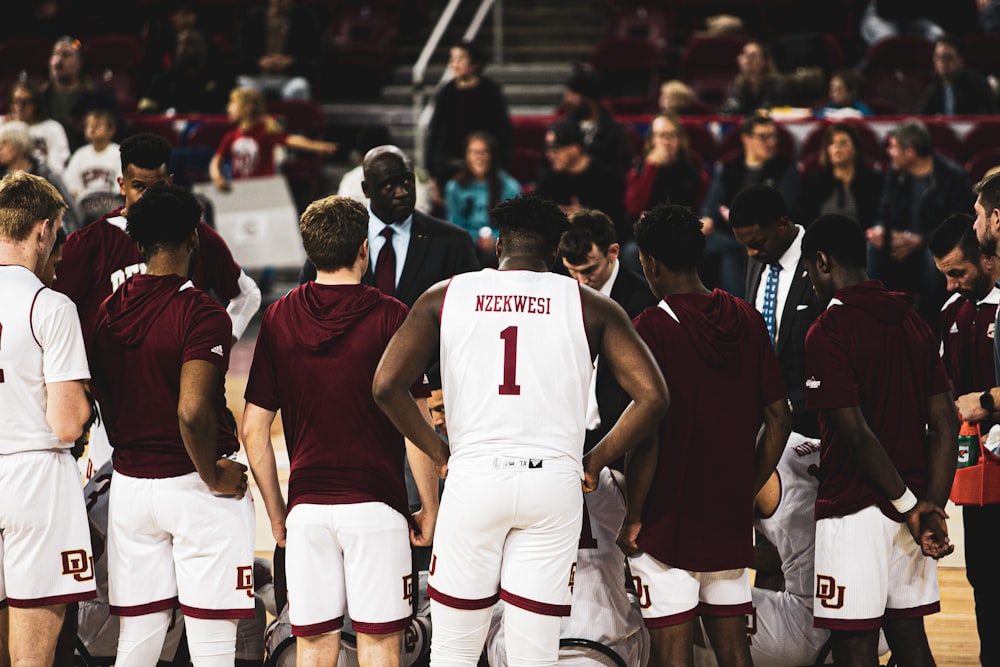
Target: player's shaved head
164 218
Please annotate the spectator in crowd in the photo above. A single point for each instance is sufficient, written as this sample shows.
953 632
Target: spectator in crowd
891 18
678 98
760 162
479 186
844 183
666 173
351 183
194 83
249 147
49 136
278 45
967 325
989 15
69 95
955 90
605 139
470 102
162 32
845 97
578 180
95 167
921 189
758 85
15 155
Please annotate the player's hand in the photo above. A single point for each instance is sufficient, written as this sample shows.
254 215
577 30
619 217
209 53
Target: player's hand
930 534
904 244
969 407
442 471
876 236
278 530
230 478
590 481
424 535
627 537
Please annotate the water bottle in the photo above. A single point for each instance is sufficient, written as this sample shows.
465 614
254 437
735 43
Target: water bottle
968 445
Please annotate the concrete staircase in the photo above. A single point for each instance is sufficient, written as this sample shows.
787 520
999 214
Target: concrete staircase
542 38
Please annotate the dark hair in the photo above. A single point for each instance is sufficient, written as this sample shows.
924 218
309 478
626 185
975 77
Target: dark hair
529 220
953 41
587 227
333 230
988 191
164 217
955 232
843 128
60 239
757 204
851 79
913 134
683 143
671 234
37 99
751 122
840 237
145 150
476 56
464 175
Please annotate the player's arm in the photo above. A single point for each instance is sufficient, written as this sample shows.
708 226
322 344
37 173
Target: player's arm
640 468
403 363
256 435
942 456
67 409
199 429
971 408
425 476
636 371
771 441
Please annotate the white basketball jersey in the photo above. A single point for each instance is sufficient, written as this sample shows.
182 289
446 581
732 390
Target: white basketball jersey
40 343
515 365
792 528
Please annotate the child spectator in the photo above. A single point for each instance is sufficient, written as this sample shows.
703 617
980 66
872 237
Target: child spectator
96 166
249 147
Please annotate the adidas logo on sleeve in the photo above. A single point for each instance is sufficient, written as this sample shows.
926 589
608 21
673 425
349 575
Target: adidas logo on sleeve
218 350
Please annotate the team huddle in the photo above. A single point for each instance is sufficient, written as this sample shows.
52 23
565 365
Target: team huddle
842 458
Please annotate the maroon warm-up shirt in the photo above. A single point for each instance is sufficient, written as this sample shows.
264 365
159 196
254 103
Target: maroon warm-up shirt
145 332
316 355
719 362
870 349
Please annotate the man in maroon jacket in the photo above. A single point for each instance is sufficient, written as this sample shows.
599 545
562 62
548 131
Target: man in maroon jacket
889 439
689 525
316 355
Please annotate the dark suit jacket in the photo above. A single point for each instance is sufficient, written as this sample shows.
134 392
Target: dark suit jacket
437 251
801 309
631 293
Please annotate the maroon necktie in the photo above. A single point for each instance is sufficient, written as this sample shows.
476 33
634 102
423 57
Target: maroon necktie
385 268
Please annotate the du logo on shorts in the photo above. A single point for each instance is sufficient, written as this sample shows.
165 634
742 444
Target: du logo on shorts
244 579
407 586
828 592
643 592
78 563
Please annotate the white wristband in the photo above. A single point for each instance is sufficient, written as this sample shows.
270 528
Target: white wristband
905 502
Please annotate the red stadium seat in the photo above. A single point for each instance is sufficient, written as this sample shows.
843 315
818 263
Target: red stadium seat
981 162
702 141
628 66
115 52
30 55
898 69
162 126
984 135
301 116
208 132
709 65
944 139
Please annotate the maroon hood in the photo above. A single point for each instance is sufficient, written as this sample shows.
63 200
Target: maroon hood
130 306
712 322
876 301
322 313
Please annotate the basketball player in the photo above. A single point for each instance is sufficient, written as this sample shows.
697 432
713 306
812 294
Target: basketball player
45 551
889 435
99 257
516 348
604 610
318 346
180 530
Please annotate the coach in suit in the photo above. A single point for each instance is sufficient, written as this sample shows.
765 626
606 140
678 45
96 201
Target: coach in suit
589 254
409 251
777 285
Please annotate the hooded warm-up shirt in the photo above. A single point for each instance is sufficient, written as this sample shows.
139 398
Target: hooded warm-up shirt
870 349
316 355
146 331
716 355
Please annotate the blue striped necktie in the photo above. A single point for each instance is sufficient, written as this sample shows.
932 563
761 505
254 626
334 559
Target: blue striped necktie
771 300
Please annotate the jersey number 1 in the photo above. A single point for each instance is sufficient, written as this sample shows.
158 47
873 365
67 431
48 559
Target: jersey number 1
509 386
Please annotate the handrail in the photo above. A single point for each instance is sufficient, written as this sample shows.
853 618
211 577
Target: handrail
423 110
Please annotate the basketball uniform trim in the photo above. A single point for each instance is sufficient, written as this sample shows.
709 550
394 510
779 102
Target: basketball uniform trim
31 316
216 614
30 603
381 628
914 612
543 608
333 625
671 619
847 624
444 295
461 603
708 609
143 609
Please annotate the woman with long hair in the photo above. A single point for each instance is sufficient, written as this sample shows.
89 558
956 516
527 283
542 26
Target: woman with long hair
51 146
844 184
